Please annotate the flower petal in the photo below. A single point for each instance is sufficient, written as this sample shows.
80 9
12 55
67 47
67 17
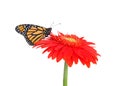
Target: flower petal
51 54
60 56
67 55
75 58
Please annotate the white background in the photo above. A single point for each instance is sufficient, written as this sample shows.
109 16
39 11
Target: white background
97 20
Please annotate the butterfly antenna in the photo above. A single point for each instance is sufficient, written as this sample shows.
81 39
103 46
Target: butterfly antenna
53 25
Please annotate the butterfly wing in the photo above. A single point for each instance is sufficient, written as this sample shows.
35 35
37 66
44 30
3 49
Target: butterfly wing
33 33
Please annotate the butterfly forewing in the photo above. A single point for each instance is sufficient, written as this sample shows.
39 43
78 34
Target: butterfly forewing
33 33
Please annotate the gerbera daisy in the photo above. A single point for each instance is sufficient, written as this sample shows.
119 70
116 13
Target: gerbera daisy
70 48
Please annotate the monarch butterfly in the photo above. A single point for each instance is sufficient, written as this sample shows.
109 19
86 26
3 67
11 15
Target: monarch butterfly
33 33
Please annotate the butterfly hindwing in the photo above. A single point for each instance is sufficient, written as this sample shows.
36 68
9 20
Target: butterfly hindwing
33 33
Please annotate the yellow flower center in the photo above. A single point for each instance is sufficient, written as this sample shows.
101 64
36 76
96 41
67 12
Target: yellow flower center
70 39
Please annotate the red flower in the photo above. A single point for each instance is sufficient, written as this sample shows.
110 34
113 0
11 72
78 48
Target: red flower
70 48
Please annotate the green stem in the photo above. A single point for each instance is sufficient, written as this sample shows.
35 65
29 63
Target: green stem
65 75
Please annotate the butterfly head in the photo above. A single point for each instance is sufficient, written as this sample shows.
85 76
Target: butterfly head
47 32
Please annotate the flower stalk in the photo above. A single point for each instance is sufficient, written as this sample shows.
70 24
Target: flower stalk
65 75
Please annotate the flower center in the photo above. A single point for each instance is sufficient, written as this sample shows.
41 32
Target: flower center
70 39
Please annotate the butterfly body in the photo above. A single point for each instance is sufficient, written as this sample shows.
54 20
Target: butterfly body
33 33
